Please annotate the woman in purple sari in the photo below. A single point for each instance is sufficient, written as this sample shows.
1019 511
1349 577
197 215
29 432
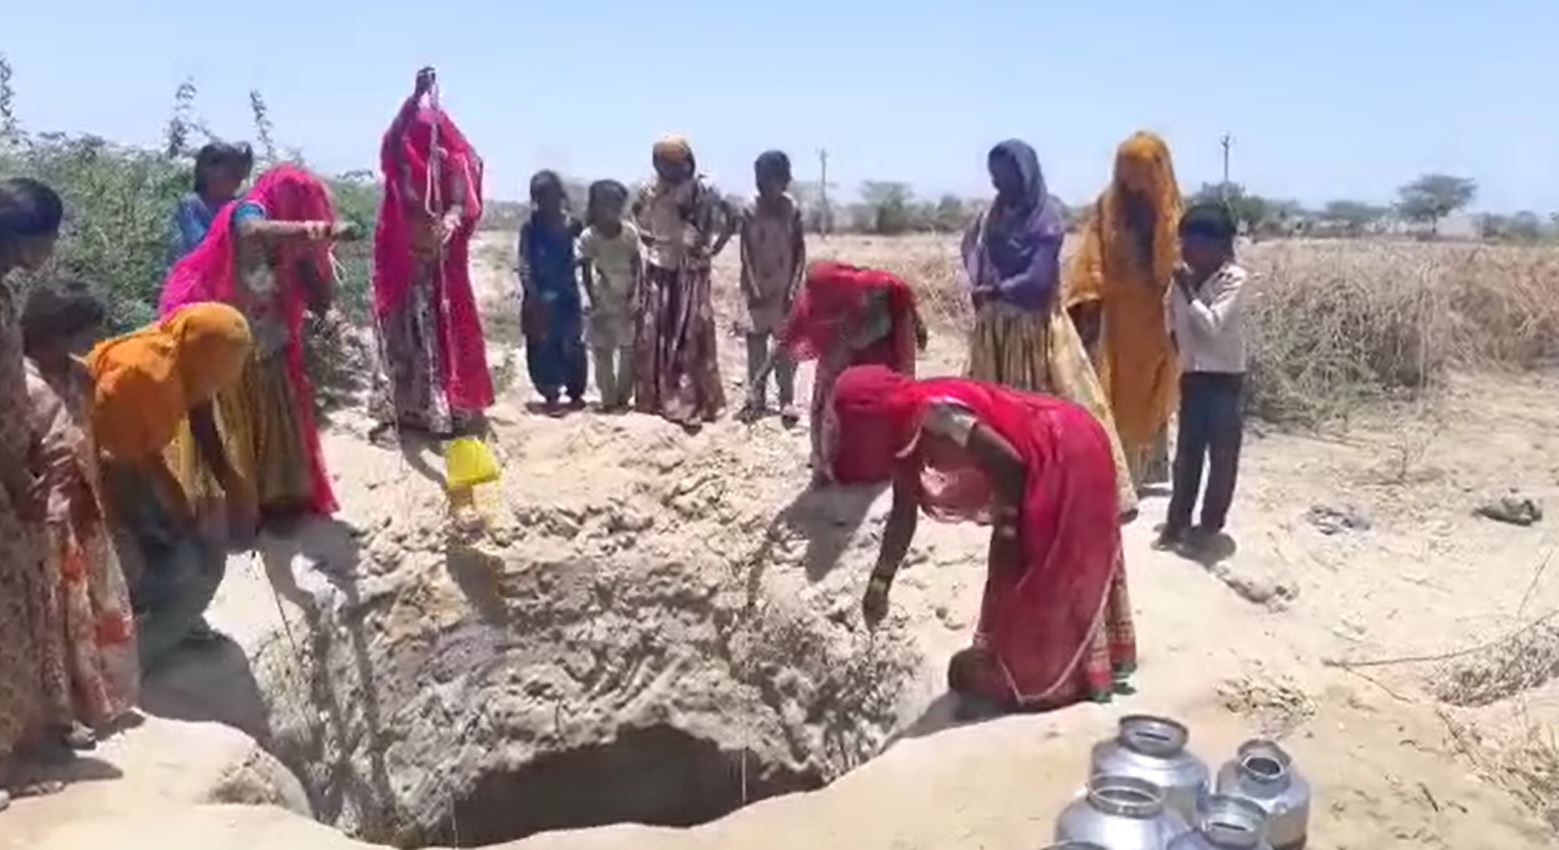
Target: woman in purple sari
1022 338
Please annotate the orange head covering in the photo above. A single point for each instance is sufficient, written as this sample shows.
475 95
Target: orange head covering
1143 168
1134 357
1107 258
146 382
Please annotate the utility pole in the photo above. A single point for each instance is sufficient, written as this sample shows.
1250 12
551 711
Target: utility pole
1228 142
826 220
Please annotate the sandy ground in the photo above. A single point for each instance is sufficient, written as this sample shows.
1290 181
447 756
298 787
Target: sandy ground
1244 641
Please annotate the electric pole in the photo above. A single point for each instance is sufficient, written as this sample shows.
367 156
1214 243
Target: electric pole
1228 142
826 220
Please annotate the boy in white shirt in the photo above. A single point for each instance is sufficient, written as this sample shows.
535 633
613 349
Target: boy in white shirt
1207 326
609 257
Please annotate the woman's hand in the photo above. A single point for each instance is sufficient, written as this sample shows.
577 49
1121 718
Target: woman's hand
448 226
874 606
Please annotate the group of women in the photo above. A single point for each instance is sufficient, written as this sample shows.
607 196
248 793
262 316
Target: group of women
1048 438
120 462
84 439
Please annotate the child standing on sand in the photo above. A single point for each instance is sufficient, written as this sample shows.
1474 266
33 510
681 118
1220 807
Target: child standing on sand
551 309
1207 328
774 257
611 266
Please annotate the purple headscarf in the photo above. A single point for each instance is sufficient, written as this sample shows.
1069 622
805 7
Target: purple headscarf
1016 247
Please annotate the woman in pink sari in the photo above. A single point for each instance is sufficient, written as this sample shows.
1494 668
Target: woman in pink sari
268 255
430 335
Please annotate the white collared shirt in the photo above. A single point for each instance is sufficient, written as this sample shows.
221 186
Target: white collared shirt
1209 324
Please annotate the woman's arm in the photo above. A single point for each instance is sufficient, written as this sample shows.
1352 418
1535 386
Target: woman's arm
1035 285
896 537
266 230
170 491
241 498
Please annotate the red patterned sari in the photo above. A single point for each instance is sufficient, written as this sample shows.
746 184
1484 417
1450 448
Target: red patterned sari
1055 627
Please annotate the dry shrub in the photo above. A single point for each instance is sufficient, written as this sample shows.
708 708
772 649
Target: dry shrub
1531 767
1335 323
1527 659
1526 765
1331 323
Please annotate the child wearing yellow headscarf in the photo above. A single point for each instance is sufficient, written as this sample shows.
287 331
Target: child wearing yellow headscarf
1115 289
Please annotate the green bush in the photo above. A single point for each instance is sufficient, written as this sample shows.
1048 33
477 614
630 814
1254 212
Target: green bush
118 204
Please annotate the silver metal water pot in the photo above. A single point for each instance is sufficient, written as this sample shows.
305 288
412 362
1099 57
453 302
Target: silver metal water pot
1263 773
1121 813
1226 823
1154 749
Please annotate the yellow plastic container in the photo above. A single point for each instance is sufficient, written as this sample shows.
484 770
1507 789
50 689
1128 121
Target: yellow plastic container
467 463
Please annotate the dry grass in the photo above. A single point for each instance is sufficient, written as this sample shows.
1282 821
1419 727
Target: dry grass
1335 323
1527 659
1526 765
1332 323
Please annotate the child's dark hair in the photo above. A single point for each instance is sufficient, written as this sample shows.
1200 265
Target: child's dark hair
29 208
1211 220
543 180
772 164
52 312
218 154
608 191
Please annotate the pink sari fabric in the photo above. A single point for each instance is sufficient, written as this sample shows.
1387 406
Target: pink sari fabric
210 273
409 144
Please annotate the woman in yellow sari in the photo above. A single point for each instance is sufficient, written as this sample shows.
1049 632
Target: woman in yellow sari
1115 289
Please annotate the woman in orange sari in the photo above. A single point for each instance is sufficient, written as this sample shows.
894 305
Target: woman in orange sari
1115 290
146 386
1055 624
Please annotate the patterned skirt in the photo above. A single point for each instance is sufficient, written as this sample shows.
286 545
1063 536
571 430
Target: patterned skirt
23 622
1110 657
263 439
409 387
1042 353
91 674
676 367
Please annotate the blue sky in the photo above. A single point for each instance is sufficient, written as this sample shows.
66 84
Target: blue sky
1325 98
